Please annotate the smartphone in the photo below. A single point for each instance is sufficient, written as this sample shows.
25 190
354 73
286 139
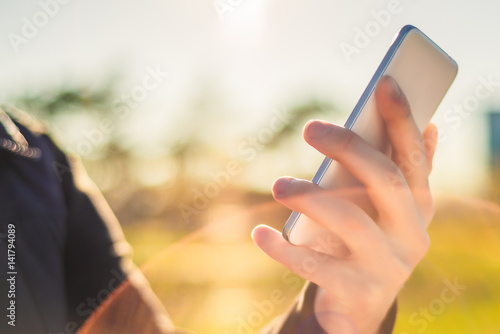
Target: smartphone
424 72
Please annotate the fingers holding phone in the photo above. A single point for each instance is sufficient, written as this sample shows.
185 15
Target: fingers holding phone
362 219
376 253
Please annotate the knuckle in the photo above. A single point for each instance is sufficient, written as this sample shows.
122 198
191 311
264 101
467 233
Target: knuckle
429 210
400 267
405 257
424 241
419 247
372 295
401 270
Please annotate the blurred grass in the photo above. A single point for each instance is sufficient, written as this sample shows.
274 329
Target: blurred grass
214 279
465 237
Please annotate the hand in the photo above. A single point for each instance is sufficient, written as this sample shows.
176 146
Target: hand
358 286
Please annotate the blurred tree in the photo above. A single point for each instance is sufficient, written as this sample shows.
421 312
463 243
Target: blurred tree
299 115
70 99
188 149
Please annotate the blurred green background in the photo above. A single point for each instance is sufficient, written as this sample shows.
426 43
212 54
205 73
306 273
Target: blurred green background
185 112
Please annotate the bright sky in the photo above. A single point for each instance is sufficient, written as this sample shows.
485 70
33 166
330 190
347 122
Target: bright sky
263 55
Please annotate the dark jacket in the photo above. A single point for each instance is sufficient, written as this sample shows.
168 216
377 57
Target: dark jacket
62 251
68 245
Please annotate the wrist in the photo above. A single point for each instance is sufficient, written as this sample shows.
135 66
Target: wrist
350 316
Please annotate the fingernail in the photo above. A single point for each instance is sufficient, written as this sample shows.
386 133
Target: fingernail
316 129
281 186
395 90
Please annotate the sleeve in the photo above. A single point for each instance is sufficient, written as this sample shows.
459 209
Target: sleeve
97 257
300 318
127 311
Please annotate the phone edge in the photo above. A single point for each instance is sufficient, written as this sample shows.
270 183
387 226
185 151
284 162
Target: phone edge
397 40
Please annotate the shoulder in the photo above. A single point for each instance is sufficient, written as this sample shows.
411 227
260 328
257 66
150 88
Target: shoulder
36 132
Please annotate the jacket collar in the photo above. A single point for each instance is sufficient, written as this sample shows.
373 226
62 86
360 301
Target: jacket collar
13 141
